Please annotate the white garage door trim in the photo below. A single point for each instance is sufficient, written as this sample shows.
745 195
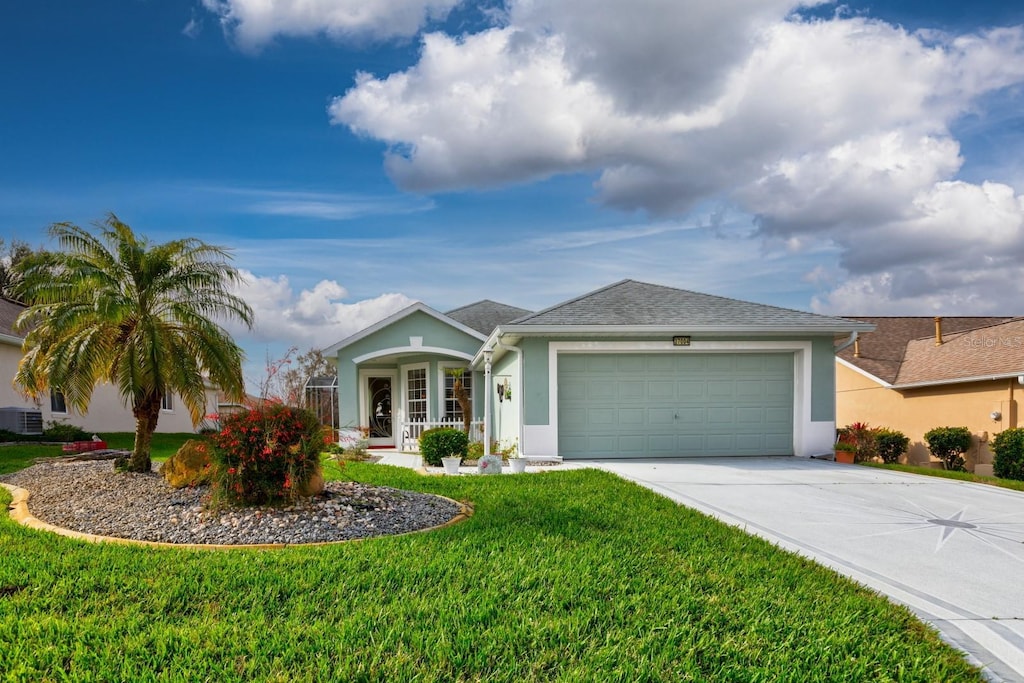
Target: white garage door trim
808 436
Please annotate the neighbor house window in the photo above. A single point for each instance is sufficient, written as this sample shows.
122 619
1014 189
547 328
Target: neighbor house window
166 403
452 409
57 404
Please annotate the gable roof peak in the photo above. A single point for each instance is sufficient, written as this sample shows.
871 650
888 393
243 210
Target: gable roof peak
485 315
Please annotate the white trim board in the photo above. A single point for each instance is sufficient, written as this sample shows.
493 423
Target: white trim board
847 364
380 353
418 307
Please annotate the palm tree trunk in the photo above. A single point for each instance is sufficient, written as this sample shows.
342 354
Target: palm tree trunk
462 397
146 416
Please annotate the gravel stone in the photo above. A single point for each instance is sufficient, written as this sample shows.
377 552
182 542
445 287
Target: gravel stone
91 497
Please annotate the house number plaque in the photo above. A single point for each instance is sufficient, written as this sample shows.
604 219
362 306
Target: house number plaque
680 341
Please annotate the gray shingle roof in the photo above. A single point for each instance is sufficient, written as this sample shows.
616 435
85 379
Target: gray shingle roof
9 312
632 303
484 316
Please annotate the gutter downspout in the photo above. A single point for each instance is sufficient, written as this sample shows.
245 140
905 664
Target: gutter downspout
848 343
522 415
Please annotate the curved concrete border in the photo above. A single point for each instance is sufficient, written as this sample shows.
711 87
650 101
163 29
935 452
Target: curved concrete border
19 512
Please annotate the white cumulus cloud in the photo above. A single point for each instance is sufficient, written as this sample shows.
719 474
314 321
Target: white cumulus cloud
836 130
314 317
253 23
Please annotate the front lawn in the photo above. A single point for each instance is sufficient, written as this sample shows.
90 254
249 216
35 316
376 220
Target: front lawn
13 458
162 447
573 576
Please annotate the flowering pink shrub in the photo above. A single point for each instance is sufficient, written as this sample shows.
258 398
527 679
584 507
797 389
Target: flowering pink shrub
267 454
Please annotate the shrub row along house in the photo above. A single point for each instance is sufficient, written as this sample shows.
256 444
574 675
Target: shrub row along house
917 373
107 411
629 370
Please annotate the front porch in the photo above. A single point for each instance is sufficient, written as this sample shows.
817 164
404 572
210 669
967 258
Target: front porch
412 429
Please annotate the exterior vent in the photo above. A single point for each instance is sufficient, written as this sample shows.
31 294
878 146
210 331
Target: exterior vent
21 420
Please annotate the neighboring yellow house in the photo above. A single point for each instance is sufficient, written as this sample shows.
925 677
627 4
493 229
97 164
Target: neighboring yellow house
107 411
914 374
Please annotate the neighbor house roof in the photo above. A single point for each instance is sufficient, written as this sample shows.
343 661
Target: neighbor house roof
981 353
628 305
882 351
484 316
9 312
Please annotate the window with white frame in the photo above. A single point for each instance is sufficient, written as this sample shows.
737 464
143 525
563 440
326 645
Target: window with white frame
166 403
452 409
416 394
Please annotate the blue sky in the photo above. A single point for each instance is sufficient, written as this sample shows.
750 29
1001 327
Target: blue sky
858 159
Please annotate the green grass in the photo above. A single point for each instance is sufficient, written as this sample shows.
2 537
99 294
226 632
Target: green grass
13 458
564 576
950 474
162 447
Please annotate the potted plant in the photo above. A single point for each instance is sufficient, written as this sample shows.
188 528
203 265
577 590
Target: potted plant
511 452
444 446
451 464
516 461
845 452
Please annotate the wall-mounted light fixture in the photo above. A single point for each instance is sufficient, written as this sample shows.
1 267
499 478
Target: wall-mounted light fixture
996 415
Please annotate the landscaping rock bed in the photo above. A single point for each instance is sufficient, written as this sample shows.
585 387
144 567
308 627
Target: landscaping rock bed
91 497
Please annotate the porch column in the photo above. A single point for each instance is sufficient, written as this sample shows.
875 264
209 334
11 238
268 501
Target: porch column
487 402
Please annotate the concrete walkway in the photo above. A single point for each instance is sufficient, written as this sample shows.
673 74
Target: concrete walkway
951 551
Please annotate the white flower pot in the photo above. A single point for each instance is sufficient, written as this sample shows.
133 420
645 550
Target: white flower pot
451 465
518 465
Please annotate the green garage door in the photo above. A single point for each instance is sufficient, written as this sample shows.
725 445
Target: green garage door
673 405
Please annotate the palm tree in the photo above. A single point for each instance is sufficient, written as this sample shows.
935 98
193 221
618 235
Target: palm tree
113 307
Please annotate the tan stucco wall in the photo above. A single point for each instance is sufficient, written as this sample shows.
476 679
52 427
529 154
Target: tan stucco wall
9 358
916 411
107 412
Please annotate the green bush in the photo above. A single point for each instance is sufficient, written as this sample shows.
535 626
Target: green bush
54 431
60 431
890 444
949 444
443 442
1009 449
863 439
267 455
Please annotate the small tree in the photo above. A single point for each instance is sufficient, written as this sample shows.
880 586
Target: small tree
949 444
890 444
111 306
12 256
462 396
1008 447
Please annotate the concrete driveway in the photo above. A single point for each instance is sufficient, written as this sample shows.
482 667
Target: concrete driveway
951 551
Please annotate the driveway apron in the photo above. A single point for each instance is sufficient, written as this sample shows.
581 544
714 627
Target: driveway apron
951 551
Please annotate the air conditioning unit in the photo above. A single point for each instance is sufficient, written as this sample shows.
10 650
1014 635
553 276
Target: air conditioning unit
21 420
